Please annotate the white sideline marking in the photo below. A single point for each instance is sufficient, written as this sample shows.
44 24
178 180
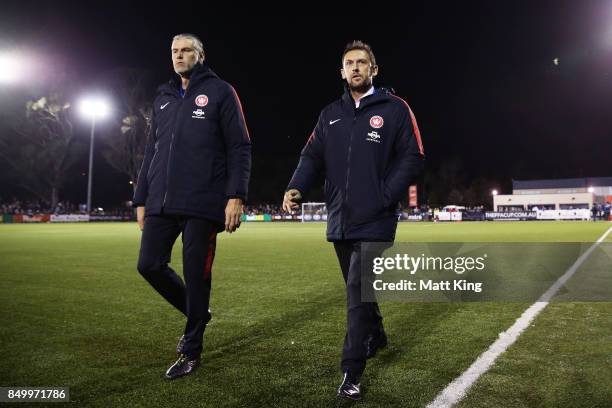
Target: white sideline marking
456 390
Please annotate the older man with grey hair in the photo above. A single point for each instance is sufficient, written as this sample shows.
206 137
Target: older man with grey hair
193 182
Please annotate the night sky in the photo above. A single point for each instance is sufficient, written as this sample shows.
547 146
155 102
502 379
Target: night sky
480 78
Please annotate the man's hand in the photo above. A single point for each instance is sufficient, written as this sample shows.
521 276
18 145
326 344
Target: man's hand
140 216
233 214
290 200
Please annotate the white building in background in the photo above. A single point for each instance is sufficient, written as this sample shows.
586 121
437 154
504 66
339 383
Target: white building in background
560 194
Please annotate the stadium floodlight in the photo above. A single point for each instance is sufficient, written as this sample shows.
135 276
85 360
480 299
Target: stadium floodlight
8 68
93 108
17 66
590 189
494 192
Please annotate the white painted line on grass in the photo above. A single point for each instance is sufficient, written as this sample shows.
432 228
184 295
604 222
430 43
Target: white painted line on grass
456 390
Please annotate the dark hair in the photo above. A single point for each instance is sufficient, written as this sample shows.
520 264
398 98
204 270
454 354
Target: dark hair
359 45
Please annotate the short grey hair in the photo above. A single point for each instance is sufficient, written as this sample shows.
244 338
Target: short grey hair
195 41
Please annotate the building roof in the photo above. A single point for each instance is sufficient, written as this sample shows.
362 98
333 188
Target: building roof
562 183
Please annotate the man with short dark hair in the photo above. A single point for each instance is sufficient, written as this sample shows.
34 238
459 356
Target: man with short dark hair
193 181
368 146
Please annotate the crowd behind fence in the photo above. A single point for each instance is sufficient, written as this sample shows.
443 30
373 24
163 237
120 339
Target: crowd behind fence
36 211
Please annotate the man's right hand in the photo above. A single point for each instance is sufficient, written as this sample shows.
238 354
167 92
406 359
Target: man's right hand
140 216
290 200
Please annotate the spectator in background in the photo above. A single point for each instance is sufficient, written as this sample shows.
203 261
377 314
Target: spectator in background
594 211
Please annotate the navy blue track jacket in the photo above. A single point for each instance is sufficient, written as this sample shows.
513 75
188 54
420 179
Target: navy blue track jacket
198 153
369 155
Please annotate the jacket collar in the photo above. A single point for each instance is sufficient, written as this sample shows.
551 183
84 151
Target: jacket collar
379 95
200 73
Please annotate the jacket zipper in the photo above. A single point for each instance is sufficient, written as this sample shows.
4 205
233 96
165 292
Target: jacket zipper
348 173
152 159
180 103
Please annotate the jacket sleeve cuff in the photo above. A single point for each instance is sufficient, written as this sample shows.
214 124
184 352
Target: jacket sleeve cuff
138 201
240 196
295 186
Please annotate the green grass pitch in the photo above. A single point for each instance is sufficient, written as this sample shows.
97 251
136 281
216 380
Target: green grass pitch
75 312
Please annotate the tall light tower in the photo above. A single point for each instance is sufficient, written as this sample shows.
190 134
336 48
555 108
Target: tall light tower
93 108
493 194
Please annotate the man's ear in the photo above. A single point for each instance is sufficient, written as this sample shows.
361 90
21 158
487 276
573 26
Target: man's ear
202 58
374 70
342 74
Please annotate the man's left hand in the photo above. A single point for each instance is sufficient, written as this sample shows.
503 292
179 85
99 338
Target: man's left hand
233 214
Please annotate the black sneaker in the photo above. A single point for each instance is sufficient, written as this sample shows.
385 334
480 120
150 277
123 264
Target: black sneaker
376 343
180 344
183 366
350 388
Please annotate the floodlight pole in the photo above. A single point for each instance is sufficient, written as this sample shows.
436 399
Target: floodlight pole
91 147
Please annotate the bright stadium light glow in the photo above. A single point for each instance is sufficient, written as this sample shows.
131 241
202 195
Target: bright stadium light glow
18 66
8 68
94 107
590 189
494 192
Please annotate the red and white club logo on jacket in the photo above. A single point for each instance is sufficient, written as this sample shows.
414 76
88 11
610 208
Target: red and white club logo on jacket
376 122
201 100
